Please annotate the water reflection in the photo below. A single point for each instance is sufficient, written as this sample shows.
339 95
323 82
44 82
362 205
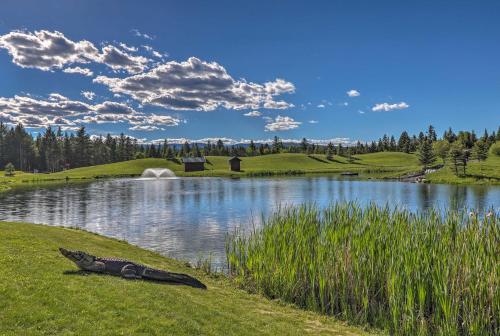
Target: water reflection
189 217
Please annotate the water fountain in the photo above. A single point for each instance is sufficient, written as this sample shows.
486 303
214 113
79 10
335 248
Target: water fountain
157 173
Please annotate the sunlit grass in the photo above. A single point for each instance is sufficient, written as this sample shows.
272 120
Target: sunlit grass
40 294
411 274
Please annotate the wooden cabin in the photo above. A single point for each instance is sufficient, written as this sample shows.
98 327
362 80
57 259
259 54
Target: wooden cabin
234 163
193 164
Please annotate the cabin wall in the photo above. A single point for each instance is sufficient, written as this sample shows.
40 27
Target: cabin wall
194 166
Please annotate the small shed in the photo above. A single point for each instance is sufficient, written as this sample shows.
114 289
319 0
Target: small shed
234 163
194 164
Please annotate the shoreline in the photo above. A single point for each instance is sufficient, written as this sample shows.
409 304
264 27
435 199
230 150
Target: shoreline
416 178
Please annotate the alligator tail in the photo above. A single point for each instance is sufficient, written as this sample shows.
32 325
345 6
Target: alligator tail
158 275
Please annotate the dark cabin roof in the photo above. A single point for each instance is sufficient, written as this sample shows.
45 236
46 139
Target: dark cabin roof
193 160
234 158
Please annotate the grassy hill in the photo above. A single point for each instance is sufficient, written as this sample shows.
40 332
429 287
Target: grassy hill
369 165
42 295
487 172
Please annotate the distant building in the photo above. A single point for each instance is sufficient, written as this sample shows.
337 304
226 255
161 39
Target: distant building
193 164
234 163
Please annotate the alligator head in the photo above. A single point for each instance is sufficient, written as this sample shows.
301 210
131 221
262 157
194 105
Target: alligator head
80 258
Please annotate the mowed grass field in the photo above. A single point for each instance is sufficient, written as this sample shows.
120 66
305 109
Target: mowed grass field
377 165
487 172
41 294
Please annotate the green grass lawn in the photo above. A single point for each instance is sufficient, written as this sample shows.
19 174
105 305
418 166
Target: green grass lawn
375 165
38 296
487 172
378 165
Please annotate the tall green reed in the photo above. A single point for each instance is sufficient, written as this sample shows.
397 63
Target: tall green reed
422 274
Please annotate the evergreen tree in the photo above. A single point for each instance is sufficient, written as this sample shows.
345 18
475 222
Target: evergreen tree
431 134
426 155
82 148
404 142
480 152
252 148
277 145
303 145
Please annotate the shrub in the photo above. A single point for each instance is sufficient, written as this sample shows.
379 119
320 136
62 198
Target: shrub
495 148
9 169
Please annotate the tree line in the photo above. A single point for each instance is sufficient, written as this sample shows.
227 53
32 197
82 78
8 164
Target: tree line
54 150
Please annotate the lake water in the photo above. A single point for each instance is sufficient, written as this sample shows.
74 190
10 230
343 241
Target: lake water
187 218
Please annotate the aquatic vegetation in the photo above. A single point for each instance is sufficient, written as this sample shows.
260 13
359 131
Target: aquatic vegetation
418 274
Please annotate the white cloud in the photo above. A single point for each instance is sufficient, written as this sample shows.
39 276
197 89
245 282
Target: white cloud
146 128
56 106
118 59
78 70
389 107
88 94
197 85
282 123
48 51
253 114
127 47
143 35
155 53
321 106
230 141
353 93
361 112
58 110
313 121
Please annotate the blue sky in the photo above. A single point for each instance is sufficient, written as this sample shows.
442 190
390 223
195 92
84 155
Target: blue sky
193 69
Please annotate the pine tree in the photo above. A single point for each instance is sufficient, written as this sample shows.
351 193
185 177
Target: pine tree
404 142
480 152
426 155
431 134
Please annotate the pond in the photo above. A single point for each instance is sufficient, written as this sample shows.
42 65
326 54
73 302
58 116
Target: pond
188 218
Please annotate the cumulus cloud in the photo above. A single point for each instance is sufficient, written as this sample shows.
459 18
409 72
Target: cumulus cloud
118 59
353 93
197 85
313 121
58 110
253 114
282 123
386 107
48 51
78 70
56 106
109 107
88 94
321 106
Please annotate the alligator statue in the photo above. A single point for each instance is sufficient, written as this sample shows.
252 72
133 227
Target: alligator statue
127 269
